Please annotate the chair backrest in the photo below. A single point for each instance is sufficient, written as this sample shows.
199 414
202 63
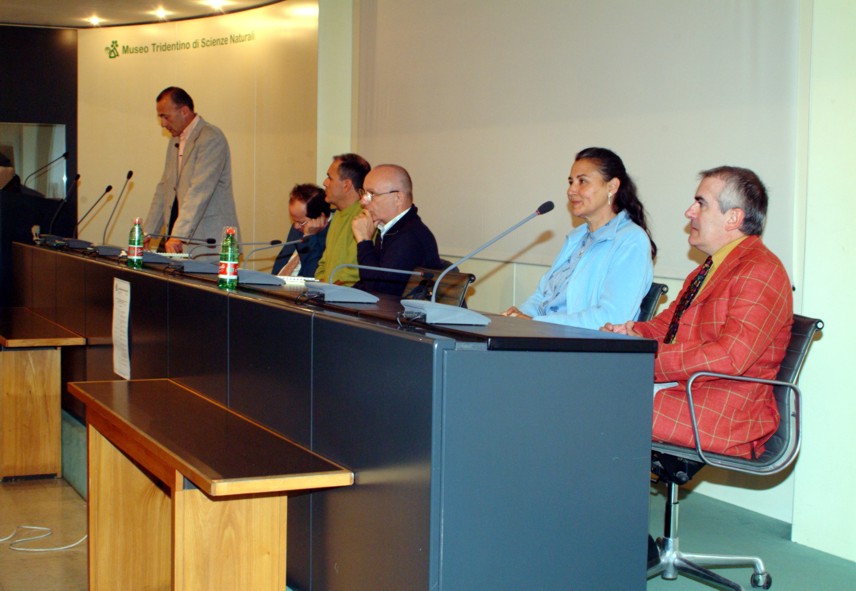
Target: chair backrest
786 440
782 448
651 300
453 290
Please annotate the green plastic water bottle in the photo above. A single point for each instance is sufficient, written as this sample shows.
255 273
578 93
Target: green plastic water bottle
228 275
135 245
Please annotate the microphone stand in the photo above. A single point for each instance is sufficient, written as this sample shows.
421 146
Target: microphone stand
62 204
436 313
38 170
97 201
351 295
115 205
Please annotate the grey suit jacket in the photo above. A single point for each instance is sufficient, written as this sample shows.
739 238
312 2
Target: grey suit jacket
203 187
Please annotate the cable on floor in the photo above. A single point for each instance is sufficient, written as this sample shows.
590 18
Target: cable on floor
14 545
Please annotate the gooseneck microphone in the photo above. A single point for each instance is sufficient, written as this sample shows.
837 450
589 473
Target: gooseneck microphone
545 207
63 202
97 201
436 313
200 241
40 169
214 244
115 205
267 245
351 295
421 274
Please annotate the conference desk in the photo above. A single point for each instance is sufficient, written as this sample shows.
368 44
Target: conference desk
511 455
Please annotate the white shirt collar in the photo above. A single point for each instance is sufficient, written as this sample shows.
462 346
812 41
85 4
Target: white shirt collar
384 228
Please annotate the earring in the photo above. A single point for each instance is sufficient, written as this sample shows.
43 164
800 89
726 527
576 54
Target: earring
608 198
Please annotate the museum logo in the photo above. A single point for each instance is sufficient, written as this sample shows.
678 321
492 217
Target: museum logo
113 50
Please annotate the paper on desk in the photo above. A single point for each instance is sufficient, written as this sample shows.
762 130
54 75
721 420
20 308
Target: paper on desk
121 317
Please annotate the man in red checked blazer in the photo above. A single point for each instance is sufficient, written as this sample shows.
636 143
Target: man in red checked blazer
738 323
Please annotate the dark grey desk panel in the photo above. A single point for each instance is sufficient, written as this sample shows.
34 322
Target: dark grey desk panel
99 301
376 404
545 470
148 321
270 380
199 338
22 276
43 283
71 293
270 365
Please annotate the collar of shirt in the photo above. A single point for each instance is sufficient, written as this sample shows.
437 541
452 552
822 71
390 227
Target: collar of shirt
718 258
384 228
182 138
610 228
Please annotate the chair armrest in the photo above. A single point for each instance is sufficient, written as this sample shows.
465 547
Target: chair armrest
711 461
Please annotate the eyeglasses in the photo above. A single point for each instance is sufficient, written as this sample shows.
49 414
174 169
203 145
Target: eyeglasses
367 196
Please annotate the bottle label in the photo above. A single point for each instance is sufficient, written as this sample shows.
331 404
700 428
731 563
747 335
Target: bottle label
135 251
228 270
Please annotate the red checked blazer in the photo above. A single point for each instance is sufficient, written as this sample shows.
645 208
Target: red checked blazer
739 324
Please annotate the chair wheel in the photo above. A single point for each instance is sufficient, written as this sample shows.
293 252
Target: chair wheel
761 581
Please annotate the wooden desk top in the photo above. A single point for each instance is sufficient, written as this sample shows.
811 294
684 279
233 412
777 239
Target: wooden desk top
21 327
166 427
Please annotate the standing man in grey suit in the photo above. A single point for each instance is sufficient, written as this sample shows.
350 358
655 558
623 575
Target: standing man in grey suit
194 197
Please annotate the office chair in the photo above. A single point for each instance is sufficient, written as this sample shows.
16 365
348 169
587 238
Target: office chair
675 465
651 300
453 290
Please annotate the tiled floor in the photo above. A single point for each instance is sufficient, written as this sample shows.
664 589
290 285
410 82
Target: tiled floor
45 503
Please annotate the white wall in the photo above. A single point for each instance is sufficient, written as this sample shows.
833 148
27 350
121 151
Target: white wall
486 105
336 81
261 90
824 511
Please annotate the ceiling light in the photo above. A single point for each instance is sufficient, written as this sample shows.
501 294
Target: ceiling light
94 20
161 13
216 4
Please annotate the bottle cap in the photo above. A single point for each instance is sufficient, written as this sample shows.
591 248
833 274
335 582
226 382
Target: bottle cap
138 221
230 230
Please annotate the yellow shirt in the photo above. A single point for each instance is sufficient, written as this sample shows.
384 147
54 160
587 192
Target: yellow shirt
718 257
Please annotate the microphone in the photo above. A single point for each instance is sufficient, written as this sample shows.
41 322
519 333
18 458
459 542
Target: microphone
342 293
63 202
351 295
200 241
267 245
214 244
74 242
443 313
80 221
115 205
420 274
38 170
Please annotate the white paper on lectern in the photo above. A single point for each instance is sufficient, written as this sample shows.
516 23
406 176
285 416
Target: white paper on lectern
121 318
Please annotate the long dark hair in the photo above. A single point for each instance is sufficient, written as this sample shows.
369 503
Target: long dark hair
610 166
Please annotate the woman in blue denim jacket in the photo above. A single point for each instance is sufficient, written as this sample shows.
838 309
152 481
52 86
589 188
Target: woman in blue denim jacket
606 265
